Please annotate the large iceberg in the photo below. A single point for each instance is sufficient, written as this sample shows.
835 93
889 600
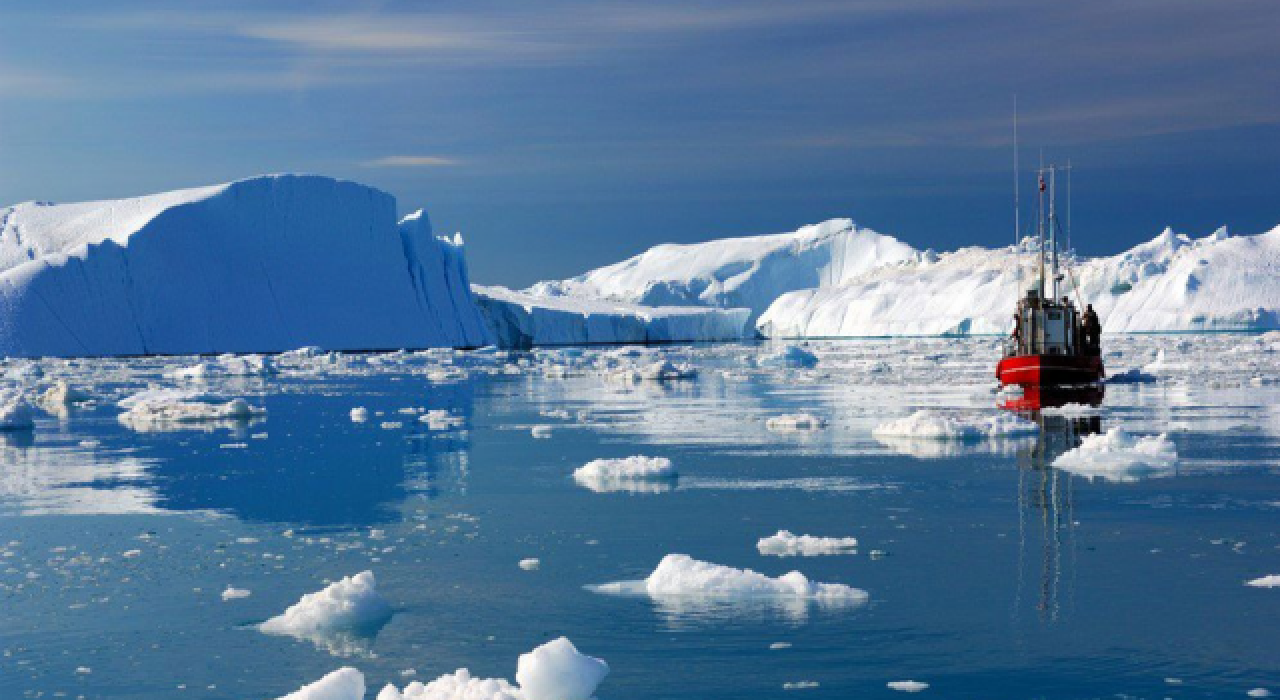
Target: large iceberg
1171 283
264 264
522 319
747 272
837 280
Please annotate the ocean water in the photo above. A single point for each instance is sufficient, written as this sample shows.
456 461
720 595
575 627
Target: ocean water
991 573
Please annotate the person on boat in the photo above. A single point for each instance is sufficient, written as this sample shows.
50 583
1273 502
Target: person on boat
1092 331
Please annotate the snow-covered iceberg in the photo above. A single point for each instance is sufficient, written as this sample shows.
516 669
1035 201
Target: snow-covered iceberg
1171 283
747 272
264 264
837 280
521 319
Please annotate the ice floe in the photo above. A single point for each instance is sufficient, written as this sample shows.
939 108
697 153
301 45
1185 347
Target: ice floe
794 422
908 686
937 425
338 618
786 544
554 671
682 575
1118 456
160 409
346 683
637 473
1271 581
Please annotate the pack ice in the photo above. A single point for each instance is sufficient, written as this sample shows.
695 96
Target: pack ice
264 264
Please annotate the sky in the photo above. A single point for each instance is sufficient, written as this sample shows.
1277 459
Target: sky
559 136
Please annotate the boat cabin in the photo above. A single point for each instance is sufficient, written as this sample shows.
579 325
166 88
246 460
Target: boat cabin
1045 327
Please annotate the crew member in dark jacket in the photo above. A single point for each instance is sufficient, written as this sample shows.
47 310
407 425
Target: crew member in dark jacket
1092 331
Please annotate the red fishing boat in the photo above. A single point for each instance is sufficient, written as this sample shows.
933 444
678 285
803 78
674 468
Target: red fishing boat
1053 344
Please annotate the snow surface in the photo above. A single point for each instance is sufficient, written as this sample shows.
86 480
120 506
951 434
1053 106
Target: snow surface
682 575
519 319
348 608
264 264
786 544
344 684
554 671
1118 456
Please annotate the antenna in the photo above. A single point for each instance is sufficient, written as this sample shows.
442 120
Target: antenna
1017 208
1069 249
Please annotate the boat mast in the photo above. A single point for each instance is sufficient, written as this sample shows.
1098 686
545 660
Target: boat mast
1040 224
1053 228
1017 209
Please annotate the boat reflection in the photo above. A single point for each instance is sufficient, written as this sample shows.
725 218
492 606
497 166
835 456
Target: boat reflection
1046 519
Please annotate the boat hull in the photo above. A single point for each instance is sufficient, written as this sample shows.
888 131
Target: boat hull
1049 370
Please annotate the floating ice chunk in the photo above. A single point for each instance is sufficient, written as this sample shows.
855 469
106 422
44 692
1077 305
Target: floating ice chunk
62 394
1259 693
794 422
626 474
154 408
359 414
785 544
800 685
16 412
1272 581
790 357
441 420
1118 456
557 671
660 371
540 431
530 564
907 686
682 575
233 593
336 617
935 425
454 686
776 646
344 684
553 671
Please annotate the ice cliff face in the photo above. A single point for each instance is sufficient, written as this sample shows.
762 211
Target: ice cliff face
749 272
263 264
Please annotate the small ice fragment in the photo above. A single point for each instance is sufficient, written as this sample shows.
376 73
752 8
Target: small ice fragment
799 685
350 605
530 564
1118 456
233 593
1259 693
794 422
908 686
1271 581
359 414
785 544
617 474
540 431
780 645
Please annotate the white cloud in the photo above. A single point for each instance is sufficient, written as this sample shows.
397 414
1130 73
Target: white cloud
410 162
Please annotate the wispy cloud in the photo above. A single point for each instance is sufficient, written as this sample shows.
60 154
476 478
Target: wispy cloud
410 162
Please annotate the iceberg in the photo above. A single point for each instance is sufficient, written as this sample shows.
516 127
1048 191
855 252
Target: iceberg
521 320
1118 456
340 618
265 264
748 272
554 671
1171 283
835 279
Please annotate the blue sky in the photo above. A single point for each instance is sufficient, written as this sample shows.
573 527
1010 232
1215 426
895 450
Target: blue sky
559 136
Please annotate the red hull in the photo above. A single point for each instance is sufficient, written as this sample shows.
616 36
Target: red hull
1049 370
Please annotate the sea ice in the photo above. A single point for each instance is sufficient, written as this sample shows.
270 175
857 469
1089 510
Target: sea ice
1118 456
936 425
330 618
785 544
625 474
530 564
790 357
154 408
554 671
908 686
344 684
682 575
16 412
794 422
1272 581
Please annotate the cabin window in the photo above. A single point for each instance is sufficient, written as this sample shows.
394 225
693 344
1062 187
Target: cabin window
1055 315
